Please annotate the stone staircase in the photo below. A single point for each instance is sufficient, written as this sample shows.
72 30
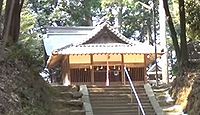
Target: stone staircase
67 101
116 100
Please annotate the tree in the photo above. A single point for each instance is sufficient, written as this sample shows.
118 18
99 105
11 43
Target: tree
64 13
180 49
119 5
192 19
134 20
1 19
12 21
11 24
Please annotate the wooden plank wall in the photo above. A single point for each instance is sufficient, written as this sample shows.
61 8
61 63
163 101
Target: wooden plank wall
80 75
136 74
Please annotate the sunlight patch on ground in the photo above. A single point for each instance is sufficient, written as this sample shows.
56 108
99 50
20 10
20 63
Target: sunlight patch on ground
166 102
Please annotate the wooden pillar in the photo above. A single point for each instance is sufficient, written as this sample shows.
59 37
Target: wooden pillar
92 69
107 71
66 71
145 66
122 70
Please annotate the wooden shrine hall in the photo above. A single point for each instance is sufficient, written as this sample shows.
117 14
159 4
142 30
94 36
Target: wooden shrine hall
98 55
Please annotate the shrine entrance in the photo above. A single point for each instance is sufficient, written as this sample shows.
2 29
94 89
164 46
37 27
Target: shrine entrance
101 57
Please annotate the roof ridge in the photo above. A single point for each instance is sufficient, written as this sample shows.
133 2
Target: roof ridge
106 24
60 49
94 32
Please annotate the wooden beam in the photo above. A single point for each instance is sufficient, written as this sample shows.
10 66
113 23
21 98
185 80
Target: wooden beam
134 65
92 69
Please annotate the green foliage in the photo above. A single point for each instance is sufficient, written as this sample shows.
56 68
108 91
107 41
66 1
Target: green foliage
30 51
107 3
192 8
29 47
193 19
136 20
64 13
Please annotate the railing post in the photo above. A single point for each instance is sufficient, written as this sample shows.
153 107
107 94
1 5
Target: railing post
131 96
138 110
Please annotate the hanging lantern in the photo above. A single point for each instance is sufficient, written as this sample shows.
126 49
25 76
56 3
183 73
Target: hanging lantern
116 73
97 68
118 68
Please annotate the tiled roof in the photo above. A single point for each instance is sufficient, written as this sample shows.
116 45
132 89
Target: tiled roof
58 37
113 48
99 28
74 40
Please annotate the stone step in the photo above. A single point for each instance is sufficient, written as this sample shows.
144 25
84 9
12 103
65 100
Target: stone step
67 111
115 90
64 95
114 86
64 111
116 100
113 108
121 112
61 88
114 94
107 88
135 113
71 104
113 99
120 104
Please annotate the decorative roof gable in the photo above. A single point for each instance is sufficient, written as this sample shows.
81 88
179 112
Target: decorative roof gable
106 35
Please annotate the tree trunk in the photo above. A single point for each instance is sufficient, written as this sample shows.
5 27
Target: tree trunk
1 18
87 14
8 21
183 42
13 25
16 21
88 20
172 30
149 32
1 5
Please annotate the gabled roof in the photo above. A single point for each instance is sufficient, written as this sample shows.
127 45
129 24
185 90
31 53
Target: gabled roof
106 32
60 38
92 40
